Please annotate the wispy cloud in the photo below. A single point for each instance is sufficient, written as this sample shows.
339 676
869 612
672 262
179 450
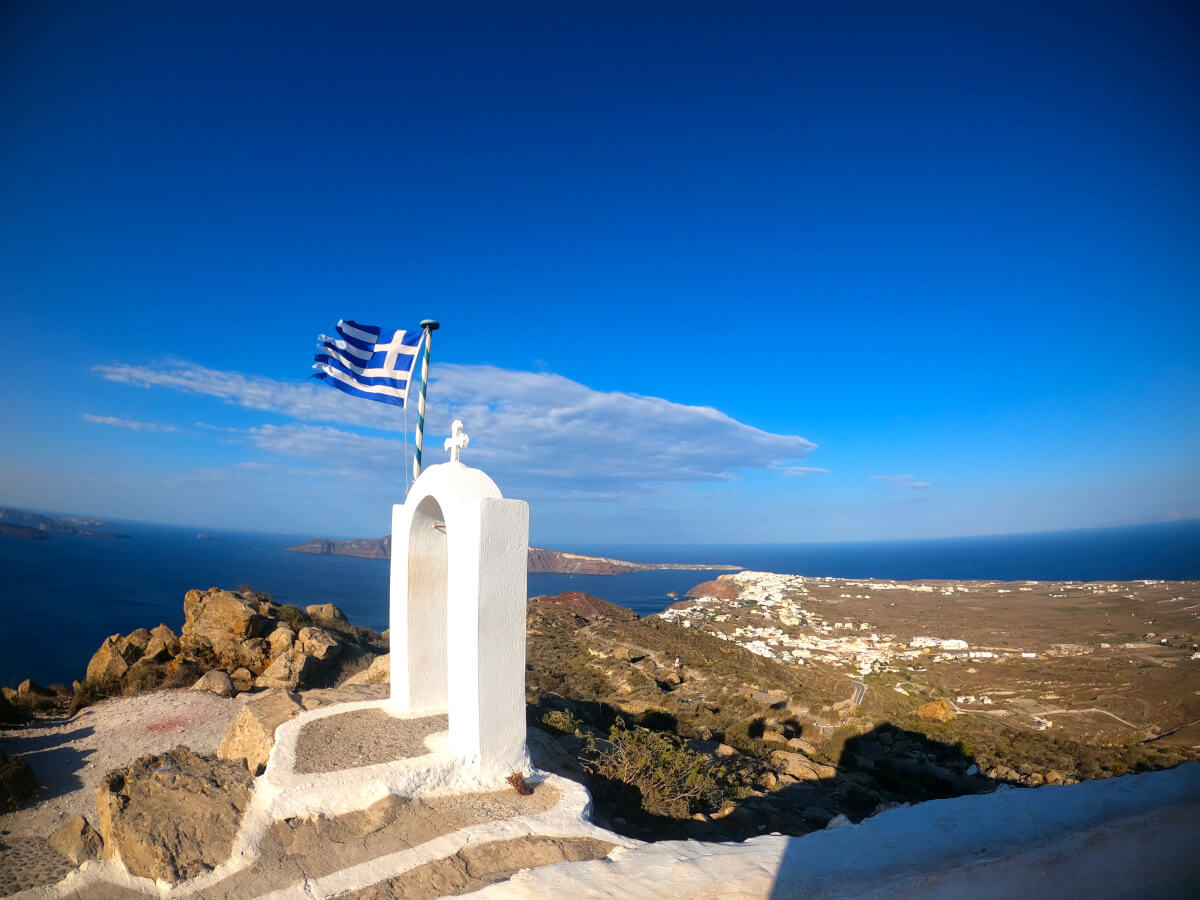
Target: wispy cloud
525 427
127 423
903 481
801 471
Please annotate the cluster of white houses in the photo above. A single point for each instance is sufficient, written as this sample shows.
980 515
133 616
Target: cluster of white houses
803 634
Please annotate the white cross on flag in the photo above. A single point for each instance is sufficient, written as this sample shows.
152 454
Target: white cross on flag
368 362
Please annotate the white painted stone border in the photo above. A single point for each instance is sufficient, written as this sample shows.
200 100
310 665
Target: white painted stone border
281 793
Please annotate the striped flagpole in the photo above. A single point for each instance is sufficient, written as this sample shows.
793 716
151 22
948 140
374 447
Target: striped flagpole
430 326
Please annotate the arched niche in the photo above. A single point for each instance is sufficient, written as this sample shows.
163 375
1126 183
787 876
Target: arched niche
457 613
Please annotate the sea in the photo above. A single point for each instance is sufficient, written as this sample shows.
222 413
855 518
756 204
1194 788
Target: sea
60 597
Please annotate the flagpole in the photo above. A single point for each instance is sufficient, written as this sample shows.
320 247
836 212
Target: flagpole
430 326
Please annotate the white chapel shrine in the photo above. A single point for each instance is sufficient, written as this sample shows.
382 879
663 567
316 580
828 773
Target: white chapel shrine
457 613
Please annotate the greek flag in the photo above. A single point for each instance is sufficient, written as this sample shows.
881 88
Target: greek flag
368 362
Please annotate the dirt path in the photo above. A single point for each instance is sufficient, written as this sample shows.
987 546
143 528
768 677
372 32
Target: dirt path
70 755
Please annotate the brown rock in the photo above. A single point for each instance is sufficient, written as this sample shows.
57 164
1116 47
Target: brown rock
318 643
799 745
220 619
107 662
134 644
800 767
251 734
163 644
379 672
29 686
281 640
77 841
289 671
937 711
326 614
1054 777
242 678
172 817
215 682
725 750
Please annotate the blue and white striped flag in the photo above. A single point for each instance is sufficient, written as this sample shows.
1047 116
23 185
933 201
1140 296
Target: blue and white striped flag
370 363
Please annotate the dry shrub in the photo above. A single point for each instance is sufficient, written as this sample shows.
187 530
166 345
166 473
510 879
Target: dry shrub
672 780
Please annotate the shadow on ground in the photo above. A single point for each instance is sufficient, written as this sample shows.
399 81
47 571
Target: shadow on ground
881 769
55 764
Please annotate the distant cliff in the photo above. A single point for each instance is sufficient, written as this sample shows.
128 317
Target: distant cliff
540 559
20 523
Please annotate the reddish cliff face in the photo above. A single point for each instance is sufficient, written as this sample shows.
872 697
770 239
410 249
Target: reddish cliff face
726 590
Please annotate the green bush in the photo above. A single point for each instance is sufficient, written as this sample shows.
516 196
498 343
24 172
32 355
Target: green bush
673 780
562 720
293 616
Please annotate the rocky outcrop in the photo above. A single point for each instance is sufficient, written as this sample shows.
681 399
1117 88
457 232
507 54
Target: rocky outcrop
799 766
327 614
367 548
77 841
163 644
227 625
379 672
724 587
937 711
109 661
251 735
172 817
246 636
288 671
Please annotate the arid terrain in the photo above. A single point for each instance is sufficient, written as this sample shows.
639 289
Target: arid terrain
822 697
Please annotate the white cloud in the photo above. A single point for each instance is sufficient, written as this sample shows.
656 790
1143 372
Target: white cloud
527 428
902 481
801 471
126 423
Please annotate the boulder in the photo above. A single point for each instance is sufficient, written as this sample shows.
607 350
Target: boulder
172 817
107 662
215 682
1055 777
937 711
251 734
242 678
29 686
77 841
289 671
134 644
318 643
379 672
163 644
280 640
16 781
799 745
326 614
799 766
220 620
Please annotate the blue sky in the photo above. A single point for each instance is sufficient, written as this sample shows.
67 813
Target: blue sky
706 272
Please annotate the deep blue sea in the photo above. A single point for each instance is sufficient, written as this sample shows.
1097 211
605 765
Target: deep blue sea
59 598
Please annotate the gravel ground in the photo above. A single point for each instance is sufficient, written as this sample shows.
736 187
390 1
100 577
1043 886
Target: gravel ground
362 738
69 756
